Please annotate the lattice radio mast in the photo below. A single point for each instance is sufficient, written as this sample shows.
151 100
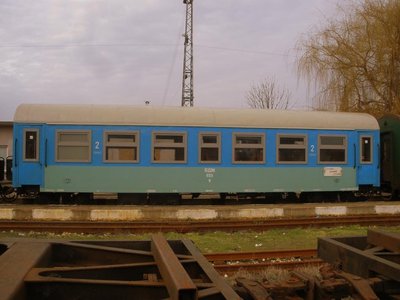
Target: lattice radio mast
187 82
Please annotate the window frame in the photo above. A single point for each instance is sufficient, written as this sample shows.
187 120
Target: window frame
262 146
207 145
88 144
285 146
169 145
333 147
135 144
37 144
370 147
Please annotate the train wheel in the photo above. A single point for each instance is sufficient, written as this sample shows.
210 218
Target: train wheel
9 194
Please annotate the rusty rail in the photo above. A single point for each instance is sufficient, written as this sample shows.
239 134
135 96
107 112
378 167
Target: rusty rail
192 226
258 266
232 262
259 255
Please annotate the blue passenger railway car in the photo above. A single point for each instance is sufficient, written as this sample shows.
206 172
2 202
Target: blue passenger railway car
86 149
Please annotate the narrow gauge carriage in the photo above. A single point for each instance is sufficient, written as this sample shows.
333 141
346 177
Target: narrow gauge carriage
83 149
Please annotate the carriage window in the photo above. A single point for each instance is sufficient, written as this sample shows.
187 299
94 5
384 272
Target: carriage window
248 148
366 149
121 147
169 147
292 149
210 145
31 145
73 146
332 149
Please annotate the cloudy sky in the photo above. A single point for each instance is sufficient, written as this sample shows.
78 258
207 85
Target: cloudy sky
131 51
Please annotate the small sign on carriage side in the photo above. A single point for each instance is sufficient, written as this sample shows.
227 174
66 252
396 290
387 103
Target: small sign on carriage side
333 171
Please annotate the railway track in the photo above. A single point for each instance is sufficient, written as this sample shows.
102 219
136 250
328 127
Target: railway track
259 255
193 226
232 268
232 262
82 268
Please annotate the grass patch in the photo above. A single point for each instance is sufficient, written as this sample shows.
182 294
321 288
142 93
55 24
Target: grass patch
276 239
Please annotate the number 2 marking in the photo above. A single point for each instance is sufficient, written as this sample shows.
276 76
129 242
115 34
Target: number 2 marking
312 148
97 145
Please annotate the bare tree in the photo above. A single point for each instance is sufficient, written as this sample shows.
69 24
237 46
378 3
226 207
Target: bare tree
355 59
267 95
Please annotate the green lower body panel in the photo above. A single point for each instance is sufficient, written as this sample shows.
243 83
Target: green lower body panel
132 179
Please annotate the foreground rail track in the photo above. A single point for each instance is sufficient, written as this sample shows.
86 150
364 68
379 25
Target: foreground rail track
260 255
232 262
193 226
175 269
232 268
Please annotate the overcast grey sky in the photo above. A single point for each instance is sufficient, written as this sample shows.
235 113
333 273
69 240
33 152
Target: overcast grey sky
130 51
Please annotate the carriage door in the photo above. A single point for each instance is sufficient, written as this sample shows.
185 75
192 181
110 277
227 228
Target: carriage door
365 160
31 156
386 157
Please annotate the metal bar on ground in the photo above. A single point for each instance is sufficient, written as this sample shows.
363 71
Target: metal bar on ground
156 269
222 285
387 240
361 285
355 260
15 263
178 282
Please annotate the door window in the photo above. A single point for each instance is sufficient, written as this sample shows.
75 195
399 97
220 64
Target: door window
31 145
366 149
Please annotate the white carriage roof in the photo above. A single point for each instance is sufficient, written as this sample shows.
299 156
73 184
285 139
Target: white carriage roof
190 116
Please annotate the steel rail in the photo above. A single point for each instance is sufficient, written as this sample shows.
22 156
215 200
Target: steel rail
217 258
256 267
252 261
193 226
